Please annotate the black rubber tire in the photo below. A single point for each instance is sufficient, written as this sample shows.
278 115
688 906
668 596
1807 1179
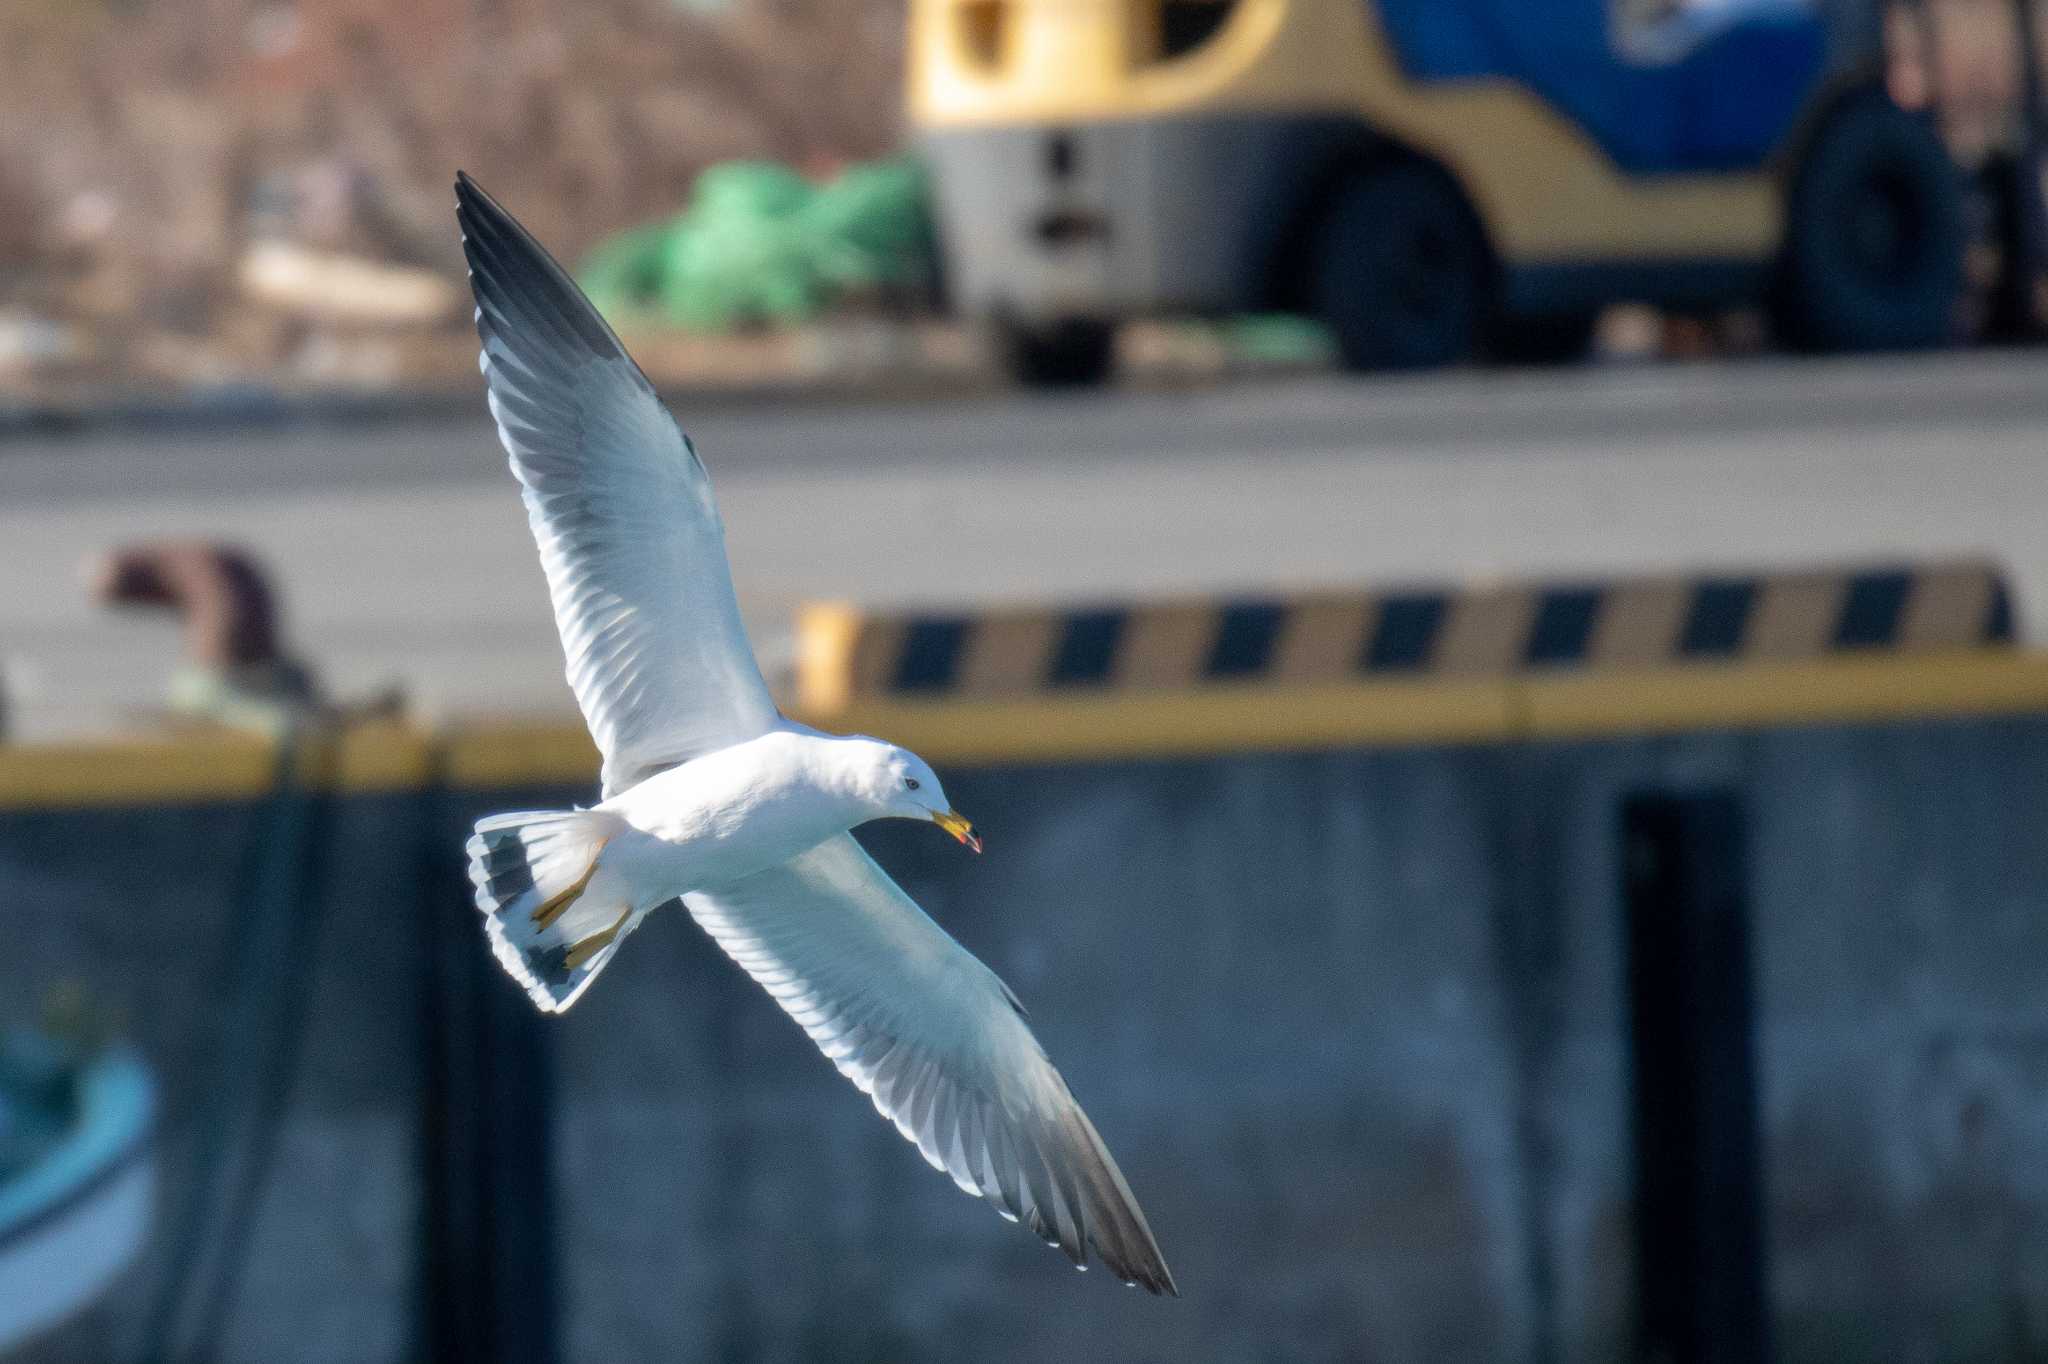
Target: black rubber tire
1551 339
1874 235
2011 313
1398 269
1074 352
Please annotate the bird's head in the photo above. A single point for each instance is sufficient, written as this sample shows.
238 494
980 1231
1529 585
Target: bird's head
897 784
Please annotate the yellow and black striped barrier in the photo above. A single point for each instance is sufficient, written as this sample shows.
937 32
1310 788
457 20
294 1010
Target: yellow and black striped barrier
845 656
1499 665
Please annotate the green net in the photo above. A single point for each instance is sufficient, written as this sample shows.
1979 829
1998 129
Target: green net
760 244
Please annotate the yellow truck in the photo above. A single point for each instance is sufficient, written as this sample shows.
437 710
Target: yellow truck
1434 179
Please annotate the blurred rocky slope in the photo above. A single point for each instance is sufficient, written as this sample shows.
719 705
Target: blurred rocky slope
205 193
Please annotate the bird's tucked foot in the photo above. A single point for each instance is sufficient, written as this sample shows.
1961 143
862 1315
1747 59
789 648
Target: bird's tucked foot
551 909
589 947
551 920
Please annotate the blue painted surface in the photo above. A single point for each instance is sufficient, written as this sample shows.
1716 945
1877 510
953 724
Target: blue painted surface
115 1106
1724 100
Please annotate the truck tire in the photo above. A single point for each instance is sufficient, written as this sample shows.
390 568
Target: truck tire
1074 352
2010 203
1398 268
1874 235
1543 338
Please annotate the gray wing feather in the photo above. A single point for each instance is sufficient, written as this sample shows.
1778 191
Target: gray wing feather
934 1038
621 511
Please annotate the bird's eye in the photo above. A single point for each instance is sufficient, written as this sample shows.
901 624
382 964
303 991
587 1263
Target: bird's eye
910 783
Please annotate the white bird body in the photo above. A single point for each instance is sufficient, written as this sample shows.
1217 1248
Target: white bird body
732 813
743 808
712 796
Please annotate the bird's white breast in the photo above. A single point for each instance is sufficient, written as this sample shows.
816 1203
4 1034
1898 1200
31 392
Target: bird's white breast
738 810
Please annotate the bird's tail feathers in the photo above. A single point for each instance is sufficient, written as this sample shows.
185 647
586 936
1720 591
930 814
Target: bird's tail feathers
552 920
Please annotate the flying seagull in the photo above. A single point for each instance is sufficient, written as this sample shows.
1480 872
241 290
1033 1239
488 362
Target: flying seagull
712 795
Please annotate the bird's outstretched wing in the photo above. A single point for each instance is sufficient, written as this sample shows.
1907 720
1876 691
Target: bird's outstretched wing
937 1041
621 509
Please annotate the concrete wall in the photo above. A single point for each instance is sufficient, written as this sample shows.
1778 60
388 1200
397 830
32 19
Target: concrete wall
1352 1022
138 906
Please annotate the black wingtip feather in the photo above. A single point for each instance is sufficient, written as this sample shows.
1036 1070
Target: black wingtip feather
1117 1226
526 285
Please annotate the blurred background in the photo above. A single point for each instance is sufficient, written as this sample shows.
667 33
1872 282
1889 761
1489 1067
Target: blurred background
1475 562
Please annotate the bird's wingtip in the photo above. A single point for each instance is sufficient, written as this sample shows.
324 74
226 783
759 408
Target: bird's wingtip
1155 1278
470 198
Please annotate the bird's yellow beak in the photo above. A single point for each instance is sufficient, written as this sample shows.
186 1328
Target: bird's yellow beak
955 823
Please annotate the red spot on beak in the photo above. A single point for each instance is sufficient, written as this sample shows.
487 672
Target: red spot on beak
956 824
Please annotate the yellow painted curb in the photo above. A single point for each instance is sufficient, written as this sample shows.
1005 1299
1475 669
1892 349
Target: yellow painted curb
487 756
205 766
1762 695
186 770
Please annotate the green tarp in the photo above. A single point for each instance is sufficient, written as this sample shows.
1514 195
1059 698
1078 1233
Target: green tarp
758 243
